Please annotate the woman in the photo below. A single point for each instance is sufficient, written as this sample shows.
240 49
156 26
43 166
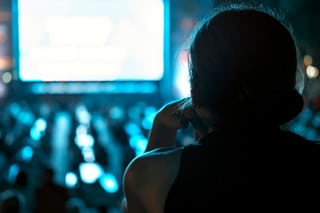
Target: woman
244 88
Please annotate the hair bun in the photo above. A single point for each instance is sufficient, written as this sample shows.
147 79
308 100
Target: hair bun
278 108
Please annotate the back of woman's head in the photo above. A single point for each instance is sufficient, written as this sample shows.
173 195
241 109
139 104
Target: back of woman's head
244 60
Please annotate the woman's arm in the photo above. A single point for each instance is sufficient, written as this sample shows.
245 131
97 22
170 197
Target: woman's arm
133 187
170 118
148 178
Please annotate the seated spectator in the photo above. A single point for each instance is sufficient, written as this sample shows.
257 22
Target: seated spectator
50 196
12 201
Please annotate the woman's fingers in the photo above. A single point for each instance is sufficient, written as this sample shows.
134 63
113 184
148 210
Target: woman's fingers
172 115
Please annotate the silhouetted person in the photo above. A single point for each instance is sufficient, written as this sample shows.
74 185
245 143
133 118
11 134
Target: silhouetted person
23 185
76 205
244 91
12 201
49 196
22 179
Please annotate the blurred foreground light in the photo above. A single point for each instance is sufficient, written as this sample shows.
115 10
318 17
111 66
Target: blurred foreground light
71 180
132 128
88 154
90 172
25 117
117 113
25 154
35 134
84 140
5 63
149 115
138 143
13 172
182 75
41 124
109 183
312 72
307 60
6 77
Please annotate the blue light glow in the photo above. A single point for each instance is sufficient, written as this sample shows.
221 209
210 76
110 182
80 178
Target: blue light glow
132 128
109 183
26 153
90 172
71 180
13 172
138 143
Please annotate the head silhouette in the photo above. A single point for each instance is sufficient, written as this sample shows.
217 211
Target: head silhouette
243 61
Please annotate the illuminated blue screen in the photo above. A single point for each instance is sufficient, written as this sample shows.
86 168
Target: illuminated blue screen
90 40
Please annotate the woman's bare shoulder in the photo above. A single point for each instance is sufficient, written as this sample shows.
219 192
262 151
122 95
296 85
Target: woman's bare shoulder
150 176
160 160
165 152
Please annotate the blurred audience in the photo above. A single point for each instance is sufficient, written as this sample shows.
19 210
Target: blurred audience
12 201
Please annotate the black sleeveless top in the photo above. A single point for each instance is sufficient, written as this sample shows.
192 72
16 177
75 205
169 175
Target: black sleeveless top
248 169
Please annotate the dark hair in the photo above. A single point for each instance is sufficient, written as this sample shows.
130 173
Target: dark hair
244 60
